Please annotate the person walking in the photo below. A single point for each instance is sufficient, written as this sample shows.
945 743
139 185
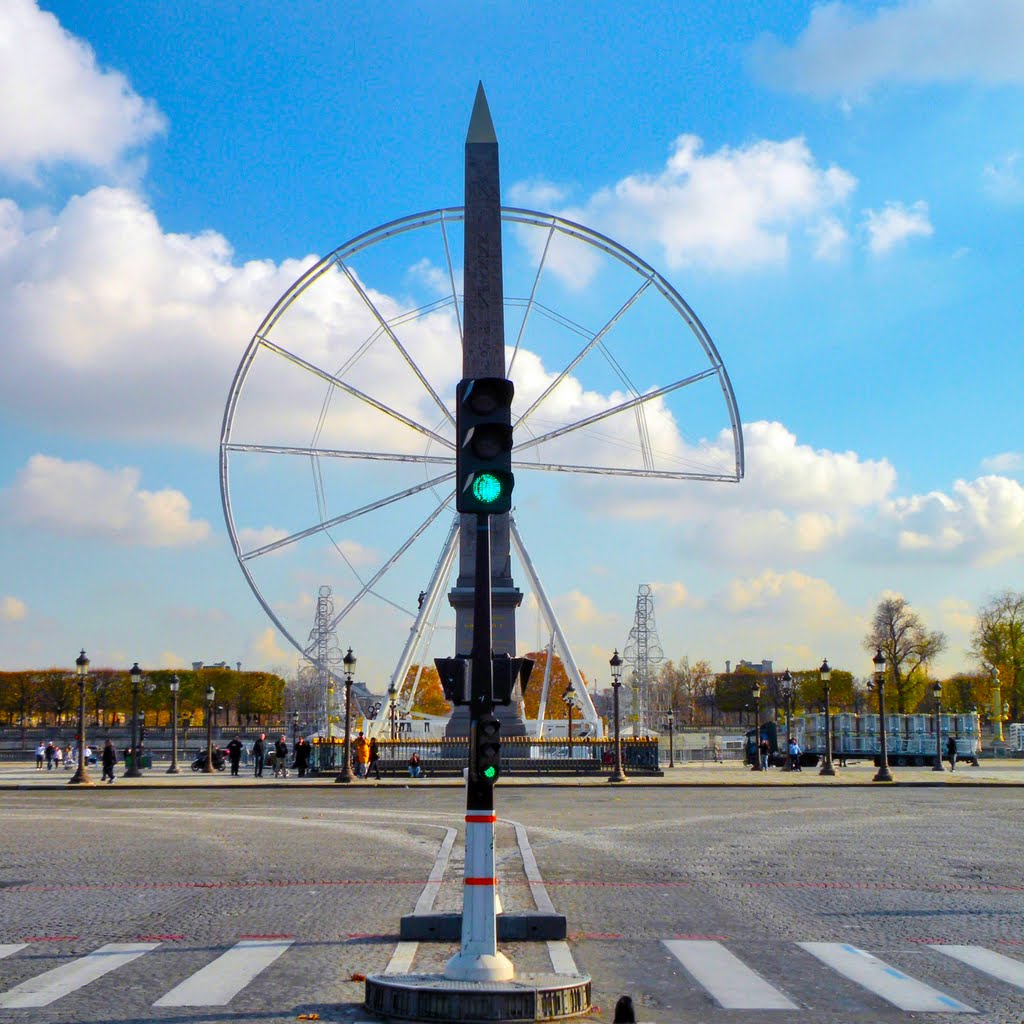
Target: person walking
58 757
951 753
49 755
259 748
374 758
765 750
235 754
40 756
302 756
794 755
281 759
361 751
108 759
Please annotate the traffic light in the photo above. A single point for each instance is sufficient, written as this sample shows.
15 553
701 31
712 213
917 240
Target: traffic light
507 672
455 679
486 750
483 454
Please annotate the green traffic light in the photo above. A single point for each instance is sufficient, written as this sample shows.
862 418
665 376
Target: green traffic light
486 488
490 772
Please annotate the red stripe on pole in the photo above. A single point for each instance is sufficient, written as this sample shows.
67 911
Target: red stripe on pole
481 881
482 818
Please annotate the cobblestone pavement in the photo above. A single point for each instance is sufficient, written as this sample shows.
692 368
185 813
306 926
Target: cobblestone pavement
316 878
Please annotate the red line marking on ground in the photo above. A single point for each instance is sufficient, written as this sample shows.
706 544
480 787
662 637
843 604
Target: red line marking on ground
1011 942
616 885
596 935
930 942
158 938
266 937
115 886
366 935
703 938
49 938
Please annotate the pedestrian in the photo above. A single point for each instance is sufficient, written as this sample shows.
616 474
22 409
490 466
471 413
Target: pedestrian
58 757
49 755
40 755
951 753
414 766
624 1012
374 758
302 756
281 759
794 755
765 750
361 752
68 758
109 759
259 748
235 754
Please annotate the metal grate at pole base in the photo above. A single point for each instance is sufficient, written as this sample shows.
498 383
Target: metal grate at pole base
432 997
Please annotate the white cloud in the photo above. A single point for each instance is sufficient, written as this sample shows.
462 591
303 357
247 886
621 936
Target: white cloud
676 595
1002 179
732 209
895 223
12 609
81 498
57 105
770 588
267 653
846 53
580 609
1004 462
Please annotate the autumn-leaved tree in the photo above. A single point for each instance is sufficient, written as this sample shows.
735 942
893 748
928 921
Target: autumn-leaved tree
998 640
429 699
555 706
908 647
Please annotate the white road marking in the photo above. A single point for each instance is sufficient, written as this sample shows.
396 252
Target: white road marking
67 978
219 982
1005 968
877 976
561 957
402 958
725 977
10 948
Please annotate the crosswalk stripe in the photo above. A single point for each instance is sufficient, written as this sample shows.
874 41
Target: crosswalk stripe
219 982
1004 968
561 957
10 948
877 976
67 978
725 977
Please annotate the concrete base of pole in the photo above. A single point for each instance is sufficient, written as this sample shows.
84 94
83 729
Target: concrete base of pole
473 966
522 926
430 997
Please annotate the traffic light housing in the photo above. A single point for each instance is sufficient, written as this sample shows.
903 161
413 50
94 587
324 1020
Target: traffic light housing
483 453
506 673
485 750
455 675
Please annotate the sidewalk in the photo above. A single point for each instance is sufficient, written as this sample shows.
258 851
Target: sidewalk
732 773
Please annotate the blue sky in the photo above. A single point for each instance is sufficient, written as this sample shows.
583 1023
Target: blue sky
835 189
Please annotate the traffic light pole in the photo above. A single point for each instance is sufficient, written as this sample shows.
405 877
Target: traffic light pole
478 958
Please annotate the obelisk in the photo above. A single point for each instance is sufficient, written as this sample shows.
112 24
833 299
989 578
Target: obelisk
483 355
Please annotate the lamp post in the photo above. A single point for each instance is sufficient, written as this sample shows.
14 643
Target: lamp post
618 775
756 766
295 728
136 677
998 715
937 694
883 774
787 693
671 739
175 686
81 776
393 710
211 696
569 699
825 675
345 775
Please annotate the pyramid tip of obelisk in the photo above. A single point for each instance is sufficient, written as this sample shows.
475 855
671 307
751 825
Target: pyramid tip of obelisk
481 127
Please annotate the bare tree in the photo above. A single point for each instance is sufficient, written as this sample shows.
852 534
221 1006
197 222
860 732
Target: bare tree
907 645
998 640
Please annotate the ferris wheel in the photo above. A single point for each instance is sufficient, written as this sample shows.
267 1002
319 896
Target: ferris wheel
337 456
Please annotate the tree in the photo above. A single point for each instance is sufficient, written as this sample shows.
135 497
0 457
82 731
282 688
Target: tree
429 698
908 647
58 693
555 707
998 640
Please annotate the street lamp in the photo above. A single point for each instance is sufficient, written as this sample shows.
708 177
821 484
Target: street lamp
998 715
393 710
136 676
81 776
569 699
756 766
825 675
671 739
883 774
345 775
618 775
787 693
175 685
295 728
211 696
937 694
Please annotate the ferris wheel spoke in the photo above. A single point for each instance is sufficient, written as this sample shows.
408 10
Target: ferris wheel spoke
595 340
632 403
533 295
451 274
340 453
354 281
337 382
266 549
389 564
649 474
